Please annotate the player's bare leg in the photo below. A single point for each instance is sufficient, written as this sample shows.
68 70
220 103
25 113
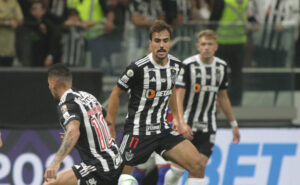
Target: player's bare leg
66 177
127 170
187 156
176 171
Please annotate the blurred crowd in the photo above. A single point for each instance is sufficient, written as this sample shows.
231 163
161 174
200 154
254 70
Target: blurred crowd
42 32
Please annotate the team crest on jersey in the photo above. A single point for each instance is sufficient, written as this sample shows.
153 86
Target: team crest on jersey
91 181
129 155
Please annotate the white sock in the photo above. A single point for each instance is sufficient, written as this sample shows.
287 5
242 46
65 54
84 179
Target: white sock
173 175
196 181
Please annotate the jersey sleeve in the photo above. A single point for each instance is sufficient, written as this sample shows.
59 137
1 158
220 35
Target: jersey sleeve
224 83
68 112
128 77
182 77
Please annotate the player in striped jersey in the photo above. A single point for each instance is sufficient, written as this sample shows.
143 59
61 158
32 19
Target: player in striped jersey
201 81
150 83
81 117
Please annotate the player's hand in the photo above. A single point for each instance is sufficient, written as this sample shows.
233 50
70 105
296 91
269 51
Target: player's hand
51 172
185 130
236 135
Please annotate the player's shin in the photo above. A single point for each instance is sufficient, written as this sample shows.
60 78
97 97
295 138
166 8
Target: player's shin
173 175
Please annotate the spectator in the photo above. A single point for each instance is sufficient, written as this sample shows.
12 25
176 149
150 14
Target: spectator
274 41
113 40
230 18
10 18
103 18
170 9
143 13
38 39
56 11
73 50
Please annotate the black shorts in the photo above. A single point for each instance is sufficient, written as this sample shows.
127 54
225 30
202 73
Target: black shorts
91 173
204 142
137 149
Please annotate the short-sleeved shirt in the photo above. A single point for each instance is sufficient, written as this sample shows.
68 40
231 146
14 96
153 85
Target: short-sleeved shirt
149 86
95 144
9 10
202 83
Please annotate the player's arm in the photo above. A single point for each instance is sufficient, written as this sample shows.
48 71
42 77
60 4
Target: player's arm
70 139
180 93
113 106
0 140
226 107
179 124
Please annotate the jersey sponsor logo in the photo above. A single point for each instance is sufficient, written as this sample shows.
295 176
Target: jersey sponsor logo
91 181
153 127
129 155
209 88
197 88
150 93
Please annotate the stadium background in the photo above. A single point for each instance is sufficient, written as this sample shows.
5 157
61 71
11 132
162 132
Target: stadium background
269 117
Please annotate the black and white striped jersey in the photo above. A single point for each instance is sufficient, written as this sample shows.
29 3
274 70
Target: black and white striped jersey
149 86
202 83
95 142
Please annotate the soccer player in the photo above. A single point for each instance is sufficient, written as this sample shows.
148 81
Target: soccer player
150 82
81 117
201 81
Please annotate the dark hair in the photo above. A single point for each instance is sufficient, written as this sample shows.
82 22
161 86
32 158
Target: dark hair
60 71
159 26
211 34
72 12
37 2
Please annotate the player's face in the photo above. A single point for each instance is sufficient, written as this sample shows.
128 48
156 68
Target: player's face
160 45
207 47
51 83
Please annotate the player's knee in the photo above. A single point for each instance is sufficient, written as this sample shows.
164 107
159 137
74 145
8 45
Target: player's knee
173 175
197 168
